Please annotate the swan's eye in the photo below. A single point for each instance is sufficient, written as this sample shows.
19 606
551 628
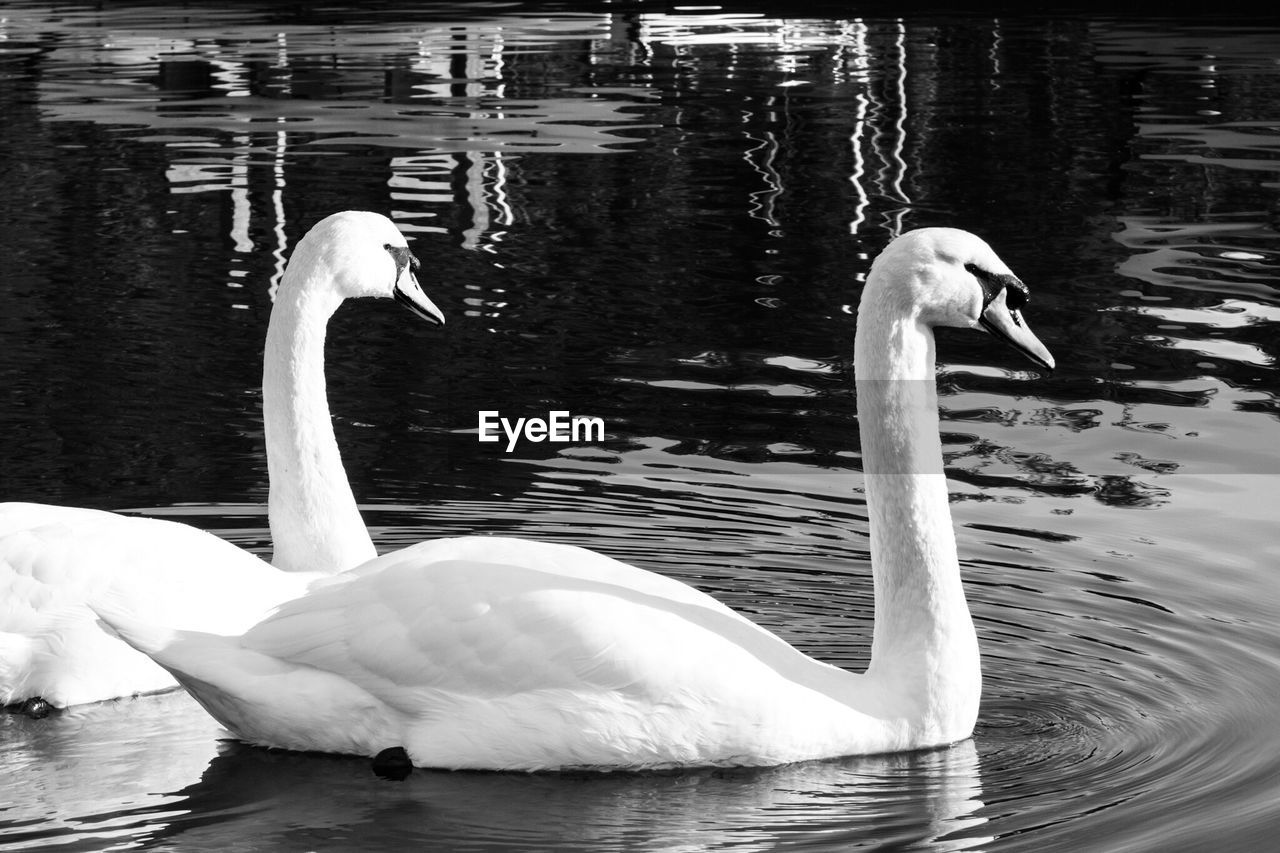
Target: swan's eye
403 258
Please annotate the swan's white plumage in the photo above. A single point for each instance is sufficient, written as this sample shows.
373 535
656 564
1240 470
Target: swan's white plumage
526 653
50 645
506 654
53 559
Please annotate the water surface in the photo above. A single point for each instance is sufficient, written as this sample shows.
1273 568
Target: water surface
663 219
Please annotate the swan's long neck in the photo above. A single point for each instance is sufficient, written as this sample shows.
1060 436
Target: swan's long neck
924 653
315 525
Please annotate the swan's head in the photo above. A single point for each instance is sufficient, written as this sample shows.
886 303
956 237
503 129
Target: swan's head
364 254
953 278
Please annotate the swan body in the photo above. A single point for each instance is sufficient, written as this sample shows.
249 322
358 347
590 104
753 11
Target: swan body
51 646
495 653
53 559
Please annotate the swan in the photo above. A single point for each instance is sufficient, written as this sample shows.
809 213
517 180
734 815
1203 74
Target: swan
53 558
502 654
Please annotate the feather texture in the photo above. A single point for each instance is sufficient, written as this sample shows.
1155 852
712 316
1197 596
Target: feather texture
498 653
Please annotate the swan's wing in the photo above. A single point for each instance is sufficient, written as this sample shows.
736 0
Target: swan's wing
54 558
169 572
419 632
16 515
567 561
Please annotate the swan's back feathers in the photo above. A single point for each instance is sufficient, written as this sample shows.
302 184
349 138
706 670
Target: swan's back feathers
439 617
540 656
52 563
163 566
16 515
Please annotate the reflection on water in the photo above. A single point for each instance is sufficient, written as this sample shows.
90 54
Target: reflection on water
210 796
662 219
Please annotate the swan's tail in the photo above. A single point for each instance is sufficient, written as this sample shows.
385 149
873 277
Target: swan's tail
186 654
118 619
260 698
249 693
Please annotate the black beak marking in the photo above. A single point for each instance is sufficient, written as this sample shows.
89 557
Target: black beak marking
1016 296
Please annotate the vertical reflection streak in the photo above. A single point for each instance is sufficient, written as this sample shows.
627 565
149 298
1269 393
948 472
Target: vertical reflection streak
473 196
761 206
859 166
498 63
854 41
277 210
499 169
997 40
241 210
900 136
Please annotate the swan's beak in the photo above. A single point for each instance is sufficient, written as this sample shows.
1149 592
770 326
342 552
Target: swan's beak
1007 324
409 294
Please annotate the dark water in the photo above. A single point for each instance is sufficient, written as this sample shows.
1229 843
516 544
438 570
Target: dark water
661 218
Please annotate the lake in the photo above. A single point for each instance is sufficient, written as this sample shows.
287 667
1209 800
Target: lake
661 216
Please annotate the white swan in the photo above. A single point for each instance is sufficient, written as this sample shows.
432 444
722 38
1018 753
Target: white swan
53 558
493 653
